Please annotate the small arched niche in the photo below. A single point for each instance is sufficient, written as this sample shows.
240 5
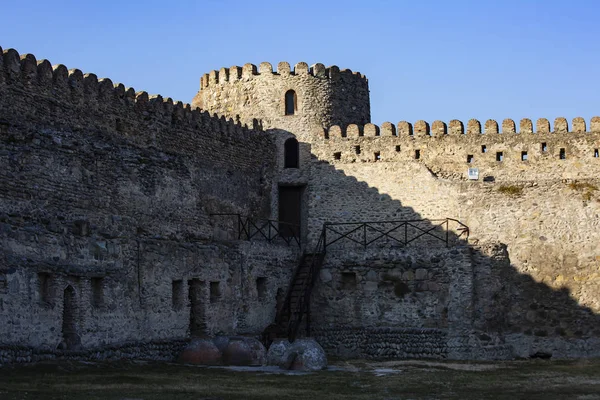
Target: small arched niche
291 154
291 102
70 335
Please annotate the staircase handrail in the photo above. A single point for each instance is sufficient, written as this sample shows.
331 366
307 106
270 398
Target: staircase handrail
362 226
304 301
269 229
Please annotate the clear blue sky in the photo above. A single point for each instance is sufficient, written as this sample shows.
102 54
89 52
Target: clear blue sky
424 59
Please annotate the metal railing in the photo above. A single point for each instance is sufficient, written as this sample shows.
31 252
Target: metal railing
247 228
289 317
395 232
303 304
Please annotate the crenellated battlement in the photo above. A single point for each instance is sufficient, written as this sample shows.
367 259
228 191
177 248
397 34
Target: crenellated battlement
78 88
505 152
317 95
109 200
438 128
265 70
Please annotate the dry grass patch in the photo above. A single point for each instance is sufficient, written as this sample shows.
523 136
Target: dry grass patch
511 190
586 188
348 380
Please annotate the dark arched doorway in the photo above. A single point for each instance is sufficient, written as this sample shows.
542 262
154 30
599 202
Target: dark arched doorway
291 153
70 336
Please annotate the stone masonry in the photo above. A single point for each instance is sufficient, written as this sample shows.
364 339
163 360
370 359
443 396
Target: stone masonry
110 245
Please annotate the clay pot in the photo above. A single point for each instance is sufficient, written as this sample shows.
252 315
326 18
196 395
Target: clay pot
201 352
244 351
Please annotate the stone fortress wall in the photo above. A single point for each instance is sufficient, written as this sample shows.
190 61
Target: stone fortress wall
543 210
500 155
324 96
105 203
106 196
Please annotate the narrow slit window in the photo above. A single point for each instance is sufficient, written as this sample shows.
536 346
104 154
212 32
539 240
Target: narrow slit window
348 281
291 101
499 156
483 148
45 288
417 154
523 156
562 154
470 158
177 294
377 156
596 154
357 149
291 153
97 292
3 284
215 291
261 288
337 155
544 147
397 148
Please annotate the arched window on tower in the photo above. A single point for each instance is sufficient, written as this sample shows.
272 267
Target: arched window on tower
291 102
291 153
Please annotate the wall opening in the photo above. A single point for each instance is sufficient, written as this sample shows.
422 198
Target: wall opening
470 158
290 210
45 288
197 312
417 154
279 299
70 336
215 291
499 156
377 156
337 155
291 153
177 294
544 147
562 154
524 156
291 102
3 284
97 292
397 148
348 280
483 148
261 287
596 154
357 149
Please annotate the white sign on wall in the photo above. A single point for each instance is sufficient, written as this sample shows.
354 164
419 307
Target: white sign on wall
473 173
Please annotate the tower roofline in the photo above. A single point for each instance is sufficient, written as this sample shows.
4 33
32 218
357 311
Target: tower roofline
249 71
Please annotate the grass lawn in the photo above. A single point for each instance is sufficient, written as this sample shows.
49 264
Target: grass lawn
535 379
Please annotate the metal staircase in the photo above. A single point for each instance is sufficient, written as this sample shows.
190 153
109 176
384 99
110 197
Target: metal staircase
297 302
296 306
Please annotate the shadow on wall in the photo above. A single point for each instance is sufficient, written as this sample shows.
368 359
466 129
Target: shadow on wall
531 316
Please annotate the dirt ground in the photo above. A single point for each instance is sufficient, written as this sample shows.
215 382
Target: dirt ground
532 379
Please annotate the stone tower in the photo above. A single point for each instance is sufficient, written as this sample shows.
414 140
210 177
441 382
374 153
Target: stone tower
291 100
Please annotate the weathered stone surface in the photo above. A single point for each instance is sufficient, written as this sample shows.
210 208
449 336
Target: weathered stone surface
277 351
108 236
324 97
304 355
